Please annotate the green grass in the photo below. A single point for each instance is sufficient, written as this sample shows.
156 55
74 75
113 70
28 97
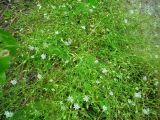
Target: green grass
88 50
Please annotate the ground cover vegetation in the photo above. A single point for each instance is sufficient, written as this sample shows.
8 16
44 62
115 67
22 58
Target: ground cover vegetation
81 60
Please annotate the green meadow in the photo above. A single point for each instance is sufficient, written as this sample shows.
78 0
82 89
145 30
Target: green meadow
81 60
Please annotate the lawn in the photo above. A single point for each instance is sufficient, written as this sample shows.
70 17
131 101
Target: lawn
81 60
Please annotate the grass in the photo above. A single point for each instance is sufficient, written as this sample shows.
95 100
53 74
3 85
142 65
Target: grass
82 61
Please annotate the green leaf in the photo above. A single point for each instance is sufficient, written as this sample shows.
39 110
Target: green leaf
7 42
2 78
4 63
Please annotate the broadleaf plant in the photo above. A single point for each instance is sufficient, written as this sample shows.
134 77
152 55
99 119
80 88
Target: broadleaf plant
8 47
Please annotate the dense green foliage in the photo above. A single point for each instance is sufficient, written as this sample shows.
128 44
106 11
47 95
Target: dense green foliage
82 60
7 49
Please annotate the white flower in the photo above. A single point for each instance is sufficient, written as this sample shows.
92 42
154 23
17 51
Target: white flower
45 45
101 77
76 106
39 6
43 56
131 11
51 80
125 21
90 10
31 48
67 43
146 111
46 16
104 108
53 89
39 76
97 81
63 6
32 56
111 93
137 95
156 83
53 7
13 82
145 78
70 99
129 101
137 88
57 32
86 98
83 27
8 114
133 103
96 61
104 70
92 26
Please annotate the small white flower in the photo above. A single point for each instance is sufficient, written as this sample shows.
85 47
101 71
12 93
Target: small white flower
86 98
61 102
98 82
83 27
39 6
45 14
125 21
101 77
145 78
104 70
137 95
21 29
131 11
39 76
93 7
92 26
31 48
146 111
129 101
156 83
43 56
70 99
53 7
90 10
104 108
66 62
134 104
136 88
32 56
76 106
13 82
45 45
57 32
96 61
8 114
51 80
63 6
111 93
53 89
67 43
